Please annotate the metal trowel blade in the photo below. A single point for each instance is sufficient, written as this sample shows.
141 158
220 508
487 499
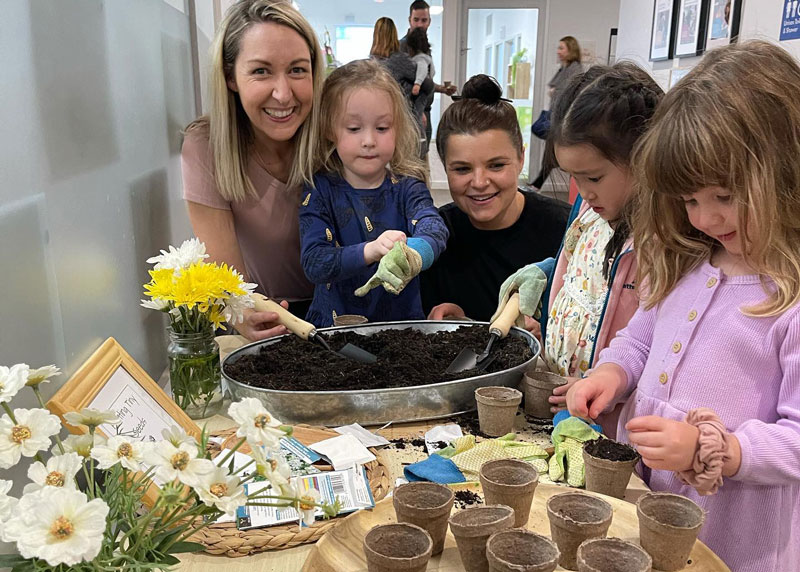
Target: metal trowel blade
466 359
360 355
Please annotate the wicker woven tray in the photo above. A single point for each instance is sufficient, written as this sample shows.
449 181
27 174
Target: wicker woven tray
225 539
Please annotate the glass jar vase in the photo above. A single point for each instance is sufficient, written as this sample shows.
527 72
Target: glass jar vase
194 372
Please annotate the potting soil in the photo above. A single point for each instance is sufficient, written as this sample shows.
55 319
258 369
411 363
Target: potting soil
406 358
610 450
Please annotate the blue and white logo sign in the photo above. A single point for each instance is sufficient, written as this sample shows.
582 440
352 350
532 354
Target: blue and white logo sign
790 20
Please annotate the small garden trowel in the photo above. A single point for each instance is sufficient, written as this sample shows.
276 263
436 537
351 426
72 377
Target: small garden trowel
468 358
307 331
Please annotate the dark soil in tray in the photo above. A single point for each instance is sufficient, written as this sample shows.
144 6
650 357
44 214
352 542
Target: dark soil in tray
610 450
405 358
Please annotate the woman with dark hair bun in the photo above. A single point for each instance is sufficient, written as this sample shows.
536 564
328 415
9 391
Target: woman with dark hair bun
494 226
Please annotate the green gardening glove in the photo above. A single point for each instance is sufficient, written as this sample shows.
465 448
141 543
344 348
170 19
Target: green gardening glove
396 269
567 461
530 281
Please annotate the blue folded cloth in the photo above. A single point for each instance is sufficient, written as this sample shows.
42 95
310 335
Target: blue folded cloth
564 414
435 468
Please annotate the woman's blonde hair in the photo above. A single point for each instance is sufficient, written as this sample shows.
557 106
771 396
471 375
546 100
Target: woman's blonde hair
367 74
733 122
384 38
573 49
229 128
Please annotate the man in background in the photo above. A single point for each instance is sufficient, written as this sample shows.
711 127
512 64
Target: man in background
419 16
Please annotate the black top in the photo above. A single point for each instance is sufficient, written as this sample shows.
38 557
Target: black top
476 262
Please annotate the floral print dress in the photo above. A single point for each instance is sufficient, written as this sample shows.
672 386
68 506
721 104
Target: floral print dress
575 315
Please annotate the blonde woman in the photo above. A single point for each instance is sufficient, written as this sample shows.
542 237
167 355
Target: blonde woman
244 163
368 219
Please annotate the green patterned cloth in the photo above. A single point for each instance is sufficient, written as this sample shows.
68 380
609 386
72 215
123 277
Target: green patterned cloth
469 457
566 464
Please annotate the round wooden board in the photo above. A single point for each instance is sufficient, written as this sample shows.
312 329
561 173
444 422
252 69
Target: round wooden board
340 549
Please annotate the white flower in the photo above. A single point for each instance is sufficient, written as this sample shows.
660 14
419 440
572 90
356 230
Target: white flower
119 449
305 506
176 435
91 417
156 304
12 380
60 471
275 470
236 305
7 503
180 462
57 525
255 423
42 374
80 444
190 251
222 490
29 435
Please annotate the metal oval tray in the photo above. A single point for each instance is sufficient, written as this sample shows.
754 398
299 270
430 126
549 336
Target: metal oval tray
380 406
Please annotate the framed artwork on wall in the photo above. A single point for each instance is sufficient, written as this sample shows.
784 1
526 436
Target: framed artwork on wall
690 27
723 21
662 30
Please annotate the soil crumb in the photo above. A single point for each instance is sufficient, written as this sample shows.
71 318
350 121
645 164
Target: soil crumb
465 499
406 358
609 449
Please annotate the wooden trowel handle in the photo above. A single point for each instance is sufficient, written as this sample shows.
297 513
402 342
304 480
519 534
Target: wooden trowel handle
507 317
298 327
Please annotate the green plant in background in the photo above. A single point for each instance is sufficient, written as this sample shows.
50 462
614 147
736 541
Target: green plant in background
515 59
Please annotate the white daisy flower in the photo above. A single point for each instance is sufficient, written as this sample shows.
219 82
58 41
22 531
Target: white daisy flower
92 417
274 470
256 424
222 490
180 462
236 305
119 449
58 526
80 444
176 435
156 304
42 374
12 379
305 507
60 471
7 503
188 253
29 435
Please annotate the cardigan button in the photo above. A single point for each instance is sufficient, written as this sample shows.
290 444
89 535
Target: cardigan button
676 347
692 315
711 282
663 378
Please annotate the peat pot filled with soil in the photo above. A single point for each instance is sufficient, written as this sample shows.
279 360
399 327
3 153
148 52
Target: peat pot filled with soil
300 382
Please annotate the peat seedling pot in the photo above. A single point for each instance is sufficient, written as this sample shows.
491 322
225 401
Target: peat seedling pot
668 528
609 465
497 408
612 555
512 483
520 550
397 547
472 527
427 505
539 386
575 517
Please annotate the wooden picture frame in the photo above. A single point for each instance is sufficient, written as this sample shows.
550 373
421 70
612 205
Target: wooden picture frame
662 30
691 18
719 31
111 379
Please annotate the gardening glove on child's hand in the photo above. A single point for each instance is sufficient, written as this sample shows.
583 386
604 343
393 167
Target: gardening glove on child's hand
566 463
530 281
396 269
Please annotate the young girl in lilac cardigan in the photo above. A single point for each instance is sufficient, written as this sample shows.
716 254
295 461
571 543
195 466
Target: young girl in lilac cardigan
710 363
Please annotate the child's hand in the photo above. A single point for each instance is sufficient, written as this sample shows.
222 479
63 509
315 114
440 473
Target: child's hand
559 398
378 248
591 395
447 311
415 89
663 443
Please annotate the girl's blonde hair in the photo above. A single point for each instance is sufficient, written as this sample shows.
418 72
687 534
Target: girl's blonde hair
384 38
229 128
732 122
367 74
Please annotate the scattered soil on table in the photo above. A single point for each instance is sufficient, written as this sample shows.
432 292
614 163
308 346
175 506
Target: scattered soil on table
401 443
406 358
469 424
441 444
398 443
539 425
610 450
465 499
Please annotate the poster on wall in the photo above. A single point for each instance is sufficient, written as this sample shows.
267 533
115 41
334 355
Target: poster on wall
690 31
661 31
723 22
790 20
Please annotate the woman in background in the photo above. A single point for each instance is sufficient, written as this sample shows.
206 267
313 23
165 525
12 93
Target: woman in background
243 162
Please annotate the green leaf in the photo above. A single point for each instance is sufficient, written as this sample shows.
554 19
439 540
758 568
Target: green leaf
7 560
169 560
179 547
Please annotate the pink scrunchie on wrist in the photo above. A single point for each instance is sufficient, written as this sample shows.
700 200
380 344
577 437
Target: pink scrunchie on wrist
712 452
